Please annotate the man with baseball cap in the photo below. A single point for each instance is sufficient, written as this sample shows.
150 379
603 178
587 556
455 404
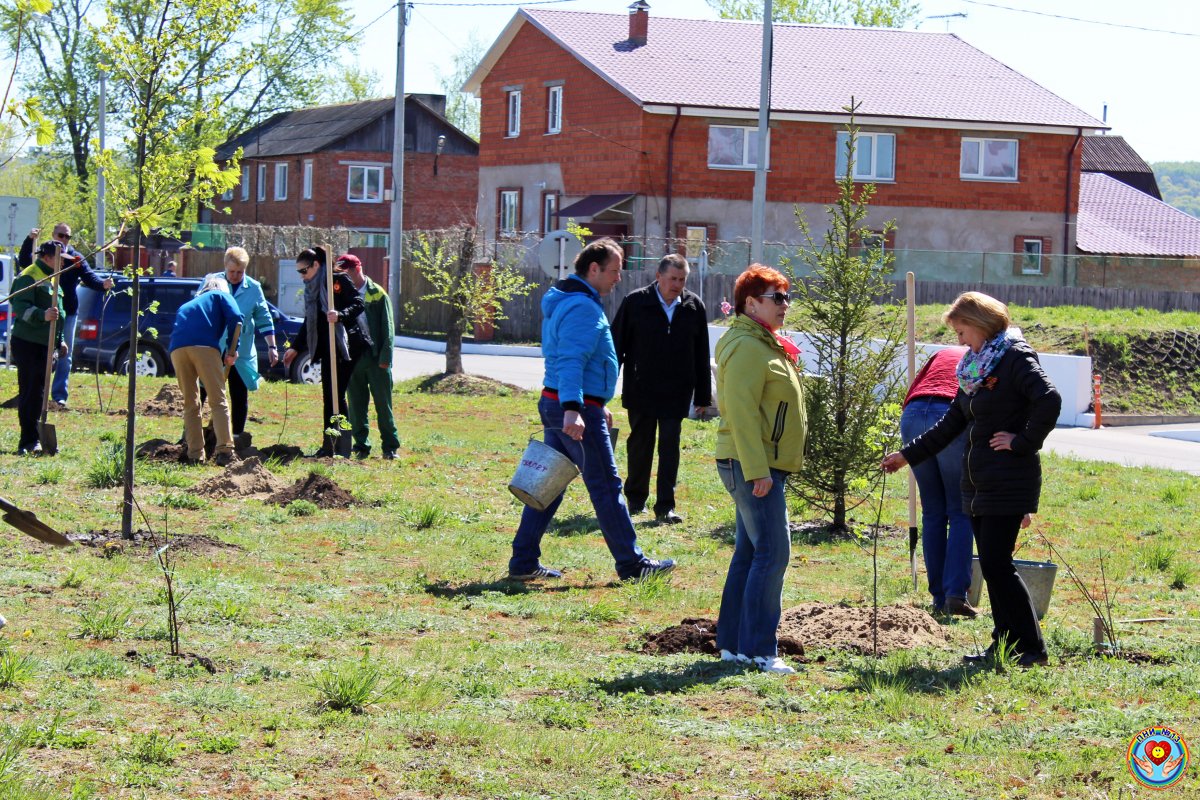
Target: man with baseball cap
76 272
34 306
372 375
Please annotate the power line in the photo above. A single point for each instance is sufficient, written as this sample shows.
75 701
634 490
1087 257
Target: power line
1080 19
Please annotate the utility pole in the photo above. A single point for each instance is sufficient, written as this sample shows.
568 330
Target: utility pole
101 223
759 203
395 238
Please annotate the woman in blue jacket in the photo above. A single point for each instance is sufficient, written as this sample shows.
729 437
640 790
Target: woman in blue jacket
248 294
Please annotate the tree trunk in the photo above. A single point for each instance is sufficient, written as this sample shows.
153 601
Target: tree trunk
454 337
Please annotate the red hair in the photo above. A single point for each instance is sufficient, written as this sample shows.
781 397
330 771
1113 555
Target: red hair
755 281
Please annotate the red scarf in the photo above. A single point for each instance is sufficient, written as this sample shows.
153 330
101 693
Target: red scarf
790 348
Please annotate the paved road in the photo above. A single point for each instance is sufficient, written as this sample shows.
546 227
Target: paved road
1174 447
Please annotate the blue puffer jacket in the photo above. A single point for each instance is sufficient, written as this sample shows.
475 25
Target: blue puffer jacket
577 344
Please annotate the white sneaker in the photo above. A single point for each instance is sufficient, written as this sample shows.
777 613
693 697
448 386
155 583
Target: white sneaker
3 621
728 656
774 664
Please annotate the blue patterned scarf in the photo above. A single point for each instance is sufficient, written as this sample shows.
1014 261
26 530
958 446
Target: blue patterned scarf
975 368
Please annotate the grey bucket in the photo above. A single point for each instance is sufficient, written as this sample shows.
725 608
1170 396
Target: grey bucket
1038 576
542 475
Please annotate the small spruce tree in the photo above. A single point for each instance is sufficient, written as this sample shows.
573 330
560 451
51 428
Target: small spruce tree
856 336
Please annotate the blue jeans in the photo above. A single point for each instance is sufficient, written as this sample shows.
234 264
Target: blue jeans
752 600
945 528
62 370
600 476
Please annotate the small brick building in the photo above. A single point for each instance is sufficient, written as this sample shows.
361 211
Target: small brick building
331 166
647 126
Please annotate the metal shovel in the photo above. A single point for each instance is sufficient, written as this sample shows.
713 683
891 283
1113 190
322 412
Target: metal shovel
27 522
47 433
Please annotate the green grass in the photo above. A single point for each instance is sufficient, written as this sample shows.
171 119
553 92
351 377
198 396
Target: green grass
476 687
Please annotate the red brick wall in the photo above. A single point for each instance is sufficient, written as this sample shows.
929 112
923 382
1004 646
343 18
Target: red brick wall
430 201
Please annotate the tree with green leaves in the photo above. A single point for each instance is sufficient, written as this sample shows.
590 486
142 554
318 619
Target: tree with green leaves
862 13
856 344
473 296
463 108
22 119
152 65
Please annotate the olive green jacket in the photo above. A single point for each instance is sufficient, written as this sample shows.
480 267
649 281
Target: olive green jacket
29 308
761 396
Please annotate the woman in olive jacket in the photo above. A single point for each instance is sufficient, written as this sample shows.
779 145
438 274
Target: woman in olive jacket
1007 406
759 442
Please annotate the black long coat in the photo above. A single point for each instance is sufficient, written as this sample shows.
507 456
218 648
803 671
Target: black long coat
1018 398
665 363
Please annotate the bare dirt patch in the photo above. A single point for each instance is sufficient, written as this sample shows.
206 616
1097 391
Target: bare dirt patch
316 489
167 403
811 626
161 450
473 385
244 478
108 543
284 453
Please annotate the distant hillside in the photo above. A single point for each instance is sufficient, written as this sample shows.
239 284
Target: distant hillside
1179 182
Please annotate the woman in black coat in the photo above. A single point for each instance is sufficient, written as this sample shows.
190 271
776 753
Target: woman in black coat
1007 406
351 337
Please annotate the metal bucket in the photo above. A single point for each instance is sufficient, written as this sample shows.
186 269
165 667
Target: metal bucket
1038 577
542 475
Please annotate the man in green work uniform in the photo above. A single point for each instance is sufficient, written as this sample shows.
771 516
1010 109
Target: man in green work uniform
372 375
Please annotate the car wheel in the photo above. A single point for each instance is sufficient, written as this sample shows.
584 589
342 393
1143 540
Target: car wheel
150 362
305 370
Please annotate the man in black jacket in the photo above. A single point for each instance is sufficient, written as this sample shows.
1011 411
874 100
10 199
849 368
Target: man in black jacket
661 336
68 283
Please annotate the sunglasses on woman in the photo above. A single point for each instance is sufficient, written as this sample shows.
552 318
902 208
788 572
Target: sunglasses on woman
780 298
305 270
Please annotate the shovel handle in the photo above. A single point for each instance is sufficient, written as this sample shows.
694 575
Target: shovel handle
50 348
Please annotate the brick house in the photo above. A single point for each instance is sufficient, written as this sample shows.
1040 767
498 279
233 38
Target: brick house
331 166
647 126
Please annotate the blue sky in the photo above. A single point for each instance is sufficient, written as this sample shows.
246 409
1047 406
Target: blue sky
1145 76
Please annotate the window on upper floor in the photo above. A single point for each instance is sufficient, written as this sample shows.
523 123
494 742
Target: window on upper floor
509 212
281 181
308 178
365 184
245 184
874 156
732 147
554 98
262 183
988 160
514 113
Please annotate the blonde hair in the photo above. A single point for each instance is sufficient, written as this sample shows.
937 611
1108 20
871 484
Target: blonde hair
239 256
980 311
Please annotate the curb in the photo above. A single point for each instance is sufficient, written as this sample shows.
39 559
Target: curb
412 343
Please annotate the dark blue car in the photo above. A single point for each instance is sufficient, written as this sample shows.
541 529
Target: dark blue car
102 338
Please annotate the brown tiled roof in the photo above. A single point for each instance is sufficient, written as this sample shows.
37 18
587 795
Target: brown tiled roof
1116 218
1111 154
716 63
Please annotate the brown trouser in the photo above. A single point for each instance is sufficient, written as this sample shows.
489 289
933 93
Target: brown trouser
195 365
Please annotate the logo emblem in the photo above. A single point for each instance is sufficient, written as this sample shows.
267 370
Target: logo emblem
1158 757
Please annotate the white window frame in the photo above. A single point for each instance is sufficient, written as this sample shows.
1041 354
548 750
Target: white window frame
367 169
514 113
1032 256
872 175
982 144
262 183
510 208
281 181
549 211
245 183
554 99
308 179
749 154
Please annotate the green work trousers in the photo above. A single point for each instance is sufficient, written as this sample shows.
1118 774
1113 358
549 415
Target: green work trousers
369 382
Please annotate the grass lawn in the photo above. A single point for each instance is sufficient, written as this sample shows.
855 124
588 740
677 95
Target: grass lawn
478 688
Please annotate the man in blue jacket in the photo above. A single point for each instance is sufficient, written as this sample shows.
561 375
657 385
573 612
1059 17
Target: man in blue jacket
581 377
68 283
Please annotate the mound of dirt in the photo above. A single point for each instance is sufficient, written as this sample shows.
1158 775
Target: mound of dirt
161 450
846 627
317 489
698 635
473 385
109 543
242 479
167 403
285 453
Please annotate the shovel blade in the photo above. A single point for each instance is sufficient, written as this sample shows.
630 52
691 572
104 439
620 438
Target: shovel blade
345 444
28 523
48 436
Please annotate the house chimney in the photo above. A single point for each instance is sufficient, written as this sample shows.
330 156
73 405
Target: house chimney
639 21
